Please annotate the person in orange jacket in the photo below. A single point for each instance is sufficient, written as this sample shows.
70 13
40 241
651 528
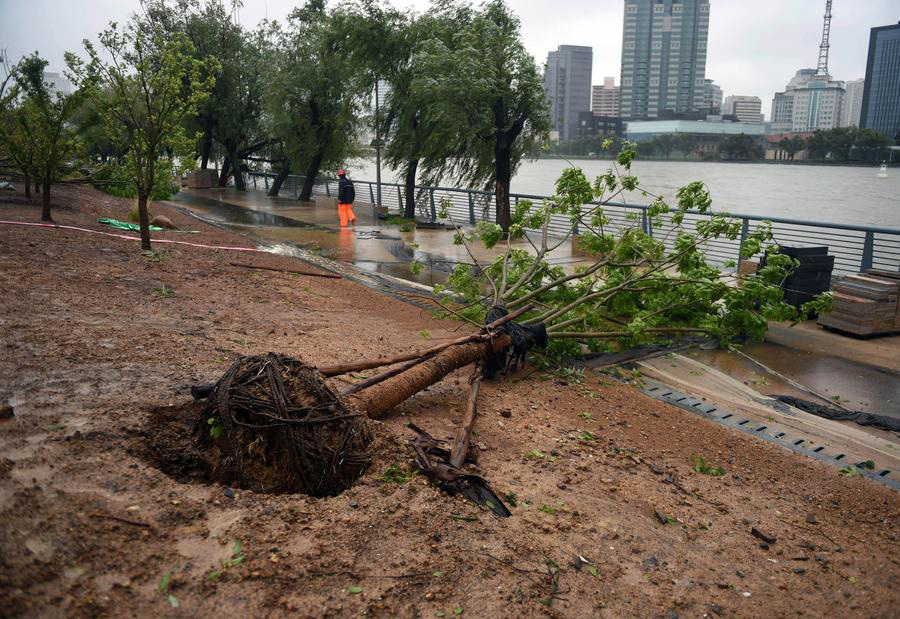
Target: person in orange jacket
346 195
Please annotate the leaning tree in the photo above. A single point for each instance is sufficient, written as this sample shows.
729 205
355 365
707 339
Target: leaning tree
274 424
487 95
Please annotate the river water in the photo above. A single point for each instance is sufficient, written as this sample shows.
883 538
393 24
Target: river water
835 194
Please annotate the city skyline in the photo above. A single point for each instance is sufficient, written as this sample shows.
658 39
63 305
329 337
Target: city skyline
753 47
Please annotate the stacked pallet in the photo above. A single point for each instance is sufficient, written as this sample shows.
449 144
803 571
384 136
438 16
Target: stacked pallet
865 304
810 278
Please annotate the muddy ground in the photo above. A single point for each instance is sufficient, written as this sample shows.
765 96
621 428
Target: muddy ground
100 345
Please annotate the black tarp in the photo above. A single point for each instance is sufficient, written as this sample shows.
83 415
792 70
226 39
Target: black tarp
864 419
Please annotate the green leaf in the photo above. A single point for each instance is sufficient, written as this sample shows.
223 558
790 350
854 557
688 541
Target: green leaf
173 601
592 570
457 611
164 582
354 589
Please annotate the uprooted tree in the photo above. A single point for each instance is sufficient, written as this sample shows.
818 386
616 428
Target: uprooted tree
274 424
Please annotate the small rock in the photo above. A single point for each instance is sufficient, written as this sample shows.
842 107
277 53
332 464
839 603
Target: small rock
769 539
739 574
6 412
505 412
716 609
764 545
354 504
429 595
661 517
799 570
229 492
811 518
163 222
133 508
651 561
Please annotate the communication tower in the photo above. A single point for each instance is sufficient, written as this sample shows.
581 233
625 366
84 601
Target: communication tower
823 48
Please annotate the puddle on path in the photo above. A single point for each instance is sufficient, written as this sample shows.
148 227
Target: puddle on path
858 386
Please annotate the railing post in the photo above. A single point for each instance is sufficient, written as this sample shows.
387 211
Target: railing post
868 252
745 231
471 208
433 211
295 186
372 194
266 180
327 189
400 200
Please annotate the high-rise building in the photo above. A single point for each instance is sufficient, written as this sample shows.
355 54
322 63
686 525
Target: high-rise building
664 57
712 97
567 80
57 83
881 96
853 97
605 100
746 109
810 101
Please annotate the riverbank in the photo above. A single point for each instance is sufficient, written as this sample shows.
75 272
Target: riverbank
102 344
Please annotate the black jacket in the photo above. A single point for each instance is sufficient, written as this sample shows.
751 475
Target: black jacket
346 193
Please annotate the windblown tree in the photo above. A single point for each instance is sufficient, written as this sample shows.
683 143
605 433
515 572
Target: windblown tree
489 89
144 83
228 120
16 146
45 123
313 96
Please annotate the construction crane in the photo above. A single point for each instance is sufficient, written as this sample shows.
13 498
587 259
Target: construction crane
823 48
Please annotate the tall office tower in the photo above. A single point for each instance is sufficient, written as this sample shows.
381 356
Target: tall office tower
605 100
567 80
853 97
746 109
664 57
881 96
712 97
782 118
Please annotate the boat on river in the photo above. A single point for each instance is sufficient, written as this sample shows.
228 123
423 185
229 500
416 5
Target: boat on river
882 173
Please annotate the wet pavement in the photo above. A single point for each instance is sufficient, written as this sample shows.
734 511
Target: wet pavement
860 374
370 245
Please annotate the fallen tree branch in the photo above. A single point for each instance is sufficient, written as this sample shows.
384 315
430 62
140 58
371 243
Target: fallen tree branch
291 271
461 443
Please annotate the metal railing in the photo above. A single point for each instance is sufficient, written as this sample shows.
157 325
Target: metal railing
855 248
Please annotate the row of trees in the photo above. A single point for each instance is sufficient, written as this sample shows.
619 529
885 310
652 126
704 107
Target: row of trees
182 84
847 144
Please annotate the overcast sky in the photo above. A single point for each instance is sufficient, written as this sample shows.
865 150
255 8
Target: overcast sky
755 46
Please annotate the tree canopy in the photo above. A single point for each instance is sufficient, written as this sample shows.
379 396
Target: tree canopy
145 83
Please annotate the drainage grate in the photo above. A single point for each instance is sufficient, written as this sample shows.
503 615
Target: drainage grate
665 393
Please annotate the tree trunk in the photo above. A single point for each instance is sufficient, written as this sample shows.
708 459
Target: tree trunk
410 209
45 203
27 186
144 220
501 185
311 172
278 181
236 170
37 185
223 175
378 399
205 148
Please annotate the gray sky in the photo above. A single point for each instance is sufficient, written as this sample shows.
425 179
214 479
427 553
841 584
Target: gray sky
755 46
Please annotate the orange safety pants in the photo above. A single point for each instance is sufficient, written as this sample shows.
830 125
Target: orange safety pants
345 211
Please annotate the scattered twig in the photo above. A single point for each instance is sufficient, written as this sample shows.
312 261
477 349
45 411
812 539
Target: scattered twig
134 523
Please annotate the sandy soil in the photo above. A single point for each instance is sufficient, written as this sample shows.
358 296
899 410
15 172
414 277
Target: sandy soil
97 360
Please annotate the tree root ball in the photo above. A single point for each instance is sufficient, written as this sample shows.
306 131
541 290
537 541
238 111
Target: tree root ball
274 424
